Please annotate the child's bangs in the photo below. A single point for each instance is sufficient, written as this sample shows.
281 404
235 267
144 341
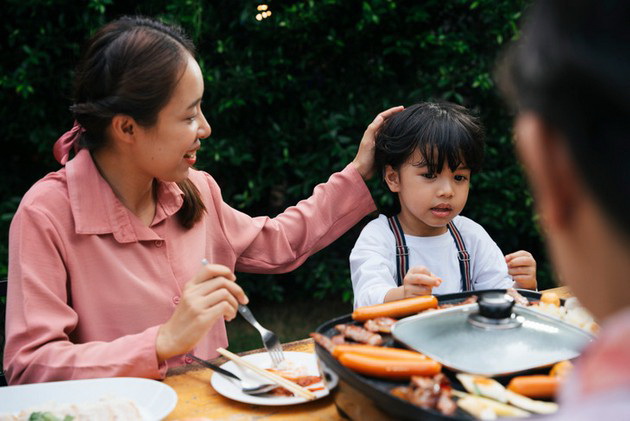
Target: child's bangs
447 142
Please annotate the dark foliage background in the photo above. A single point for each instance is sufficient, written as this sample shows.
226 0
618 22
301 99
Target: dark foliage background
288 98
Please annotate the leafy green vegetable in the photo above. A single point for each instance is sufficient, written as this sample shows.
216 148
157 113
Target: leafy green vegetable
48 416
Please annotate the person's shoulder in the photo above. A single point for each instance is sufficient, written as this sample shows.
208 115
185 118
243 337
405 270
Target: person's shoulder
376 229
377 225
375 235
47 191
468 227
49 196
203 181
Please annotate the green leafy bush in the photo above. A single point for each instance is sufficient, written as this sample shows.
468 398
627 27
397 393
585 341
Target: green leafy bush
288 98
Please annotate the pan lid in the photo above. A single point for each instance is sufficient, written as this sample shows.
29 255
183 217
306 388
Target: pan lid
493 337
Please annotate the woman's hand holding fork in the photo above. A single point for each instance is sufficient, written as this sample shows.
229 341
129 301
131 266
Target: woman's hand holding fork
210 294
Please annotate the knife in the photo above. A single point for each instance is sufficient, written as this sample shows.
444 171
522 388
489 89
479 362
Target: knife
215 367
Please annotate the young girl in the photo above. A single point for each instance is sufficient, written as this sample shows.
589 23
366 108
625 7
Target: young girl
427 154
105 273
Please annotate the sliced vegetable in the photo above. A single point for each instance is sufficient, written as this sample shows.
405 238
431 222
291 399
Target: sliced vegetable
483 386
476 408
378 351
535 386
48 416
500 409
531 405
396 309
389 368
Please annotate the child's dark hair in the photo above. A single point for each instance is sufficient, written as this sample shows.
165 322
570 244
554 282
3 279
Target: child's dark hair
441 131
131 66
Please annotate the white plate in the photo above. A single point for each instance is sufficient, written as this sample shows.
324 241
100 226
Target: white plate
154 399
229 389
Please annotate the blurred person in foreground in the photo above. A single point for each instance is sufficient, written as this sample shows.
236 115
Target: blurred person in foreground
568 76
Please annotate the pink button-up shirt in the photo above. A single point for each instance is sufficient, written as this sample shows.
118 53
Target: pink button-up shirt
599 387
89 284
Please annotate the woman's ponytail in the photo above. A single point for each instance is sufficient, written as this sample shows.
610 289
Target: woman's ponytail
193 208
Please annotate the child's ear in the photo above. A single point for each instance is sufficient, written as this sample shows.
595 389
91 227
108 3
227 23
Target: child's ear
392 178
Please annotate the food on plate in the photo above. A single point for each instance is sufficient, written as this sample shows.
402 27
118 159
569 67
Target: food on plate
561 369
518 298
531 405
492 389
550 298
323 341
579 316
476 407
485 408
48 416
470 300
378 351
483 386
105 409
390 368
297 374
289 369
307 382
380 324
535 385
571 312
359 334
395 309
430 392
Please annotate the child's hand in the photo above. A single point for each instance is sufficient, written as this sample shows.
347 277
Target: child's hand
364 161
419 281
522 267
209 296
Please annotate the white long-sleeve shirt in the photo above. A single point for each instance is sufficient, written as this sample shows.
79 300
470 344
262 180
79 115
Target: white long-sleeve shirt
373 260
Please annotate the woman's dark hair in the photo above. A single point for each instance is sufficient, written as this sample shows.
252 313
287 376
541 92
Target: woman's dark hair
441 131
572 67
131 66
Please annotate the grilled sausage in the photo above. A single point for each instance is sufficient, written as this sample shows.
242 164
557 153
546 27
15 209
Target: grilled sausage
395 309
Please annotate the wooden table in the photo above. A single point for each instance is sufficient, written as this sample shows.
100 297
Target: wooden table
197 398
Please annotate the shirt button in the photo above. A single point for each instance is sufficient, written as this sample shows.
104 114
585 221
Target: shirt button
158 243
176 299
188 360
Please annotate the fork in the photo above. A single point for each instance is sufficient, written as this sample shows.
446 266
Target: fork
270 339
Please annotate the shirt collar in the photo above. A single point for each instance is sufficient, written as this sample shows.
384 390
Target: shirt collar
97 210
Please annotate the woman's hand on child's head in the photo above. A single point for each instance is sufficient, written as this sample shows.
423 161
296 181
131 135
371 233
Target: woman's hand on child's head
211 294
364 161
522 268
419 281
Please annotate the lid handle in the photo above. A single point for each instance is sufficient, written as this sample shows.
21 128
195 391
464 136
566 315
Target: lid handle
496 305
495 312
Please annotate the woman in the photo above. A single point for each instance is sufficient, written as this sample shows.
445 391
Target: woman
105 273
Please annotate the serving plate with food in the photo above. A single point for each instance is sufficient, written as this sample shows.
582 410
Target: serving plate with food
377 354
298 367
120 398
